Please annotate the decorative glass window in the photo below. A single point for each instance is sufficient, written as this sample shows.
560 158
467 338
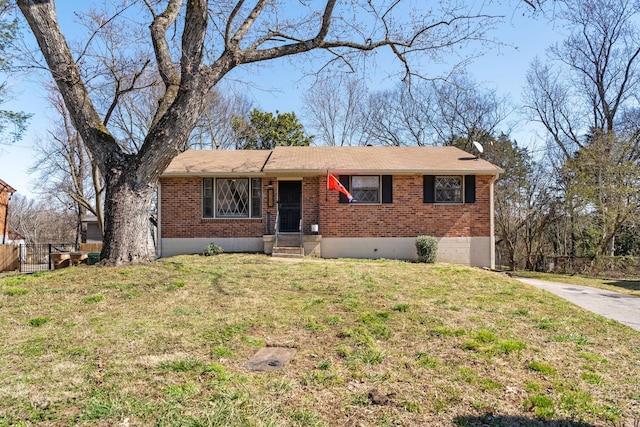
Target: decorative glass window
448 189
365 189
232 198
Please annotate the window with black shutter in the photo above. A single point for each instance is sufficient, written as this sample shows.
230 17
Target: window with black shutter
344 180
387 189
470 189
428 189
367 189
449 189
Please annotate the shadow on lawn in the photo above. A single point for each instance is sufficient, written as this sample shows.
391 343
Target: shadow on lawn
513 421
632 285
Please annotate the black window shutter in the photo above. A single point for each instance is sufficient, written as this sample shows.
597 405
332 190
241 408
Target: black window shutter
470 189
387 189
428 188
344 180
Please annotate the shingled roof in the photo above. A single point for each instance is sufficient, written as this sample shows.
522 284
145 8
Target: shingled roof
6 187
198 162
313 160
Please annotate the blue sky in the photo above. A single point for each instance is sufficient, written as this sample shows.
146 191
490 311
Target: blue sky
503 68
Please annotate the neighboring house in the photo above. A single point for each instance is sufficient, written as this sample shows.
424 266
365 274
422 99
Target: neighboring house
6 191
93 233
234 199
17 239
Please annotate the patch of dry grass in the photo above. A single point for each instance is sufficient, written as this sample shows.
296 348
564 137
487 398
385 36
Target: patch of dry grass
380 343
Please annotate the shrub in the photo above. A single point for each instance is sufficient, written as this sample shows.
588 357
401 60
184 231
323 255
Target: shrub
212 249
427 247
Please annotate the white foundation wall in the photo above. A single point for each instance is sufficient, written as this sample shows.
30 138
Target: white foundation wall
472 251
172 247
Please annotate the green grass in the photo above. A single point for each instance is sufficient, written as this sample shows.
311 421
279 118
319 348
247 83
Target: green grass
543 368
167 344
39 321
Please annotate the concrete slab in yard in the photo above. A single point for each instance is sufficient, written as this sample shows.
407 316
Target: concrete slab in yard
271 358
620 307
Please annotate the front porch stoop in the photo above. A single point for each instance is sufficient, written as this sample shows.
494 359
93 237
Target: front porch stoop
288 246
310 246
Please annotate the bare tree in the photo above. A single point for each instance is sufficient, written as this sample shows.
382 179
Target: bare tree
214 128
455 111
215 37
335 109
585 96
41 221
464 112
67 170
509 215
401 116
590 78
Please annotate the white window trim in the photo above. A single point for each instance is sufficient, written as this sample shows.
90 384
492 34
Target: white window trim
355 199
214 198
435 190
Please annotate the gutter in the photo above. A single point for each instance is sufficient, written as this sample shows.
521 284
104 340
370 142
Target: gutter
494 172
159 242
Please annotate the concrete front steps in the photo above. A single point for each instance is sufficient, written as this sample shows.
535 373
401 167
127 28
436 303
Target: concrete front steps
288 246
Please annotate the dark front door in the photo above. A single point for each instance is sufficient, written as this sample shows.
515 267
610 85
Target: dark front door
290 205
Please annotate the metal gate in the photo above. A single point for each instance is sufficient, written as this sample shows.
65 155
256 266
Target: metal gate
37 256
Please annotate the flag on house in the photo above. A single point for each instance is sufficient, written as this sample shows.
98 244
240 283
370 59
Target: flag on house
334 184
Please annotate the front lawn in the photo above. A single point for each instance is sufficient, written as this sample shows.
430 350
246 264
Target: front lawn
379 343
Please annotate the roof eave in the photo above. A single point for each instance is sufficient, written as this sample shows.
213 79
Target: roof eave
209 173
272 172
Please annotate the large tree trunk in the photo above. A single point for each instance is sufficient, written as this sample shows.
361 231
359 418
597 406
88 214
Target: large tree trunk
126 228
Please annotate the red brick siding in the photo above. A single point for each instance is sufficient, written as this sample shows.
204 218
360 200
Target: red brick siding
407 216
181 216
311 193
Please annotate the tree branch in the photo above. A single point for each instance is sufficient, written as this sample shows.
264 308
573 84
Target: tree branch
166 67
43 22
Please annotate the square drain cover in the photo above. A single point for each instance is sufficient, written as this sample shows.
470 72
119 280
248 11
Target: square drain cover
271 358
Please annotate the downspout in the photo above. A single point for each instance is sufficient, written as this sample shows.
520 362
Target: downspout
159 242
492 230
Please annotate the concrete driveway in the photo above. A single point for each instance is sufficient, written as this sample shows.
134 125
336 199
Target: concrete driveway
620 307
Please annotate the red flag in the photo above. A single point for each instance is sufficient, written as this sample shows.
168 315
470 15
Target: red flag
334 184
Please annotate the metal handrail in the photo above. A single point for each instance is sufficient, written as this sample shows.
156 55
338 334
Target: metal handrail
301 238
277 228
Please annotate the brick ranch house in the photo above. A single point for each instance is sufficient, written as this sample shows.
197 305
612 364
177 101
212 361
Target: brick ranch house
262 201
